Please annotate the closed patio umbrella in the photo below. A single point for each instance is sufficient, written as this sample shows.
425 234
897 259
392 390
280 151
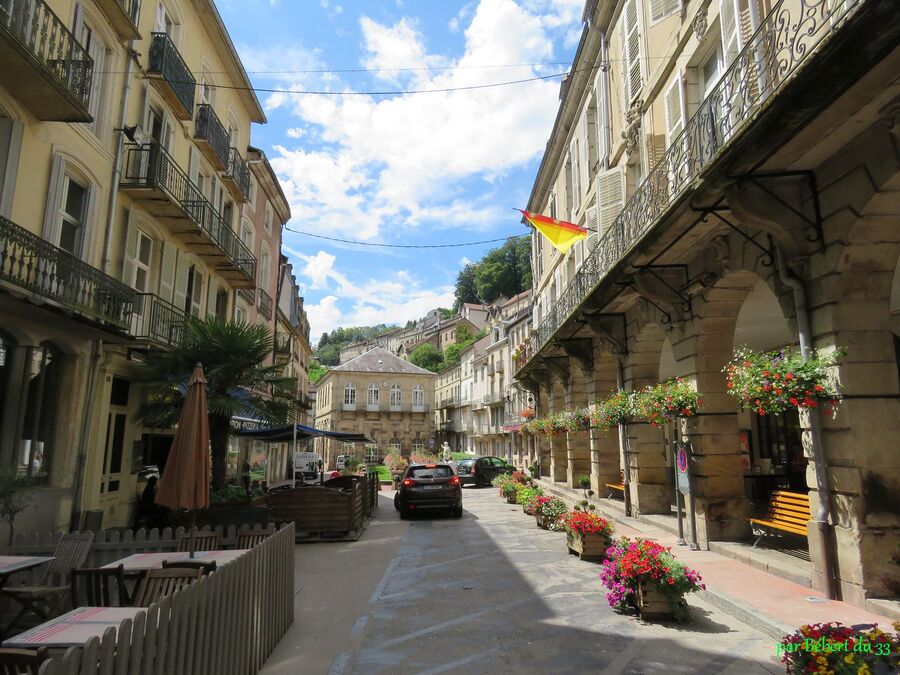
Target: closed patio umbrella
184 483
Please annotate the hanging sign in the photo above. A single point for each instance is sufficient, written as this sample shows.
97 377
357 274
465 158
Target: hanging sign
682 467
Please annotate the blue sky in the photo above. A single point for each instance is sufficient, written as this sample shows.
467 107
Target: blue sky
428 168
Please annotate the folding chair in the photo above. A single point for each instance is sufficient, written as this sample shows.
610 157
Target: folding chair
21 661
98 586
42 599
203 541
157 584
250 538
206 566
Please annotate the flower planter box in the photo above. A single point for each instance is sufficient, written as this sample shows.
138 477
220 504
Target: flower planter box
653 603
590 547
543 522
511 499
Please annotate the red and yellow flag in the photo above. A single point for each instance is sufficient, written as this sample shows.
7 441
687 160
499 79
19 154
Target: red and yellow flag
559 233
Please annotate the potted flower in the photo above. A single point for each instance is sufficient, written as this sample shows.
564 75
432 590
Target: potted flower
769 383
510 490
500 482
572 420
645 575
587 534
524 495
834 648
611 411
667 401
527 413
548 511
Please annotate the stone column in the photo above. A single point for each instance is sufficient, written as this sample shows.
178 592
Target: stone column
648 475
559 459
605 464
578 443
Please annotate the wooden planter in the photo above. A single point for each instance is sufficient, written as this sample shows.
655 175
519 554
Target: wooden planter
511 499
653 603
588 546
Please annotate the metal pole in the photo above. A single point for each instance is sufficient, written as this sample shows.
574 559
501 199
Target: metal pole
679 505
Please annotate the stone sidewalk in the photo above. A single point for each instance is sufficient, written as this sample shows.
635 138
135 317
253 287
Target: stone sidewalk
771 604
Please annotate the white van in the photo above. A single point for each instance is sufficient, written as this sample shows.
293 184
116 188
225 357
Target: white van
341 462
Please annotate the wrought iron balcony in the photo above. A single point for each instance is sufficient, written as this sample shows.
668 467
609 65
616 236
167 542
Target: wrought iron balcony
35 42
124 16
448 402
265 304
156 320
493 399
447 425
153 179
211 137
237 176
786 41
170 75
33 264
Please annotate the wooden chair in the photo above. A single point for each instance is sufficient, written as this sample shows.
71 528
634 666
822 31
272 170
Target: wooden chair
21 661
98 586
42 598
250 538
205 566
788 512
157 584
203 541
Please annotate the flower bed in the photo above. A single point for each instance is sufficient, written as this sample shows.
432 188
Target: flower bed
769 383
841 650
587 534
634 571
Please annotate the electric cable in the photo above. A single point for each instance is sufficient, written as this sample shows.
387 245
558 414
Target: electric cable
369 243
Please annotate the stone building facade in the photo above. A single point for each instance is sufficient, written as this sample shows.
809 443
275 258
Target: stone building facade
742 181
380 395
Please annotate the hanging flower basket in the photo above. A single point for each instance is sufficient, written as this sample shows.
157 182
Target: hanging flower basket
611 411
527 413
770 383
667 401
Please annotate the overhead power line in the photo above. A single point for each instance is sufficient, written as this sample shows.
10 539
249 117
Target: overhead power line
369 243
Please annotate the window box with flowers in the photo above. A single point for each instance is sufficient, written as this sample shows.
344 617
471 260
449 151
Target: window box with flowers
645 576
667 401
612 411
548 511
769 383
587 534
834 648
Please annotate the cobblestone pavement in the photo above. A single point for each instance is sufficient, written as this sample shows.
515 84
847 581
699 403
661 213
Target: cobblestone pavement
492 593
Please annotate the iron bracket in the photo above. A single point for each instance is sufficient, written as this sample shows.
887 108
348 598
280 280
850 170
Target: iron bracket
769 255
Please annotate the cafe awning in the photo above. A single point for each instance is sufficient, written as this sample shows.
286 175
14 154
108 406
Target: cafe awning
286 433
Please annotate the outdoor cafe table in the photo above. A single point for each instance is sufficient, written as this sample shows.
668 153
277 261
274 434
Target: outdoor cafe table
10 564
74 628
141 562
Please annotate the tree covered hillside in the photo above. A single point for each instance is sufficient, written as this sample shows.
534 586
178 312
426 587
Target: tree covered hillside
505 270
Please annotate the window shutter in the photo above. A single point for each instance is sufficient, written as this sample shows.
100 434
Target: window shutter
611 197
179 297
168 135
731 36
211 296
130 250
145 91
660 9
576 178
90 220
10 145
167 273
194 166
50 230
674 110
631 46
98 53
197 294
590 141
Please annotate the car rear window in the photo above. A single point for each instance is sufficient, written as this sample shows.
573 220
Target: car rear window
466 462
431 472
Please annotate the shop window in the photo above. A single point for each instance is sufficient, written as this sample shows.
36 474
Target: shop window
43 378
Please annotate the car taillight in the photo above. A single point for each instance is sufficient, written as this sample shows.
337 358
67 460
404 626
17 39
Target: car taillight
454 480
408 482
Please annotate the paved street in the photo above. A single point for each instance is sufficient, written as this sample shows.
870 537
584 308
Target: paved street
490 593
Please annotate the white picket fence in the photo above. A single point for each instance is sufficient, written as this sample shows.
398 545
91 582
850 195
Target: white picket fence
226 623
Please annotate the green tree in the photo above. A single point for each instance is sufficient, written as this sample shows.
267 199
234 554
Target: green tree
232 355
462 333
316 371
427 356
465 286
446 313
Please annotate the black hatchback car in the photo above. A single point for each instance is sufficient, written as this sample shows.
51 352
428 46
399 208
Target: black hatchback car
482 470
429 486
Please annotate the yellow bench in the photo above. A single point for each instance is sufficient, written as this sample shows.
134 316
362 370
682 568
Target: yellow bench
788 512
620 486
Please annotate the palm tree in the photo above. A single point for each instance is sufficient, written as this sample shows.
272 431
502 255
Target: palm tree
232 354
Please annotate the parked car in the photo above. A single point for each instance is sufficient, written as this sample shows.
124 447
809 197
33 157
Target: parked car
429 486
342 461
485 469
464 471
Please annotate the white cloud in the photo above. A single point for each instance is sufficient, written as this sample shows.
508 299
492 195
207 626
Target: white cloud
464 261
296 132
405 158
324 316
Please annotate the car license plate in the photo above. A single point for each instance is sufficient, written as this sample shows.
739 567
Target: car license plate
433 487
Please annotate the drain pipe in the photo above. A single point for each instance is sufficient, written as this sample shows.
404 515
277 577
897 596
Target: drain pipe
623 441
117 162
823 515
604 81
77 487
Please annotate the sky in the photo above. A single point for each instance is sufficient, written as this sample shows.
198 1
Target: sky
429 168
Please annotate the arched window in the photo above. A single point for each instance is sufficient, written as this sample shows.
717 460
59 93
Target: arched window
418 396
418 446
43 377
396 396
394 445
349 394
372 397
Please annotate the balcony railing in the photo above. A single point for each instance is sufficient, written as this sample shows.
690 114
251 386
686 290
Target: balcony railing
237 176
34 264
448 402
36 40
149 166
171 75
156 320
211 137
265 304
785 42
493 398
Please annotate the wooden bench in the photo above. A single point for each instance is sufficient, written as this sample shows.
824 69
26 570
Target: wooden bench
620 486
788 512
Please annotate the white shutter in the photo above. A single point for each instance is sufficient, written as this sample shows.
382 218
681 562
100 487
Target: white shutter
179 296
610 196
160 24
631 47
10 145
131 243
194 166
87 230
590 146
674 100
98 53
167 273
576 178
602 150
729 11
50 230
168 136
660 9
197 294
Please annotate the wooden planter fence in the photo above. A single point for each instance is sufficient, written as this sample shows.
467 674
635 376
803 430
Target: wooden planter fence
227 623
